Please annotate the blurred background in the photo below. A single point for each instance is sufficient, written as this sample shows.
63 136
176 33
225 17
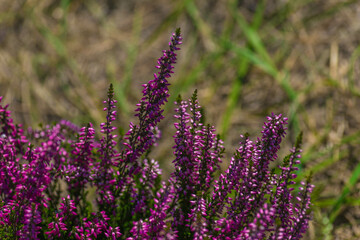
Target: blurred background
246 58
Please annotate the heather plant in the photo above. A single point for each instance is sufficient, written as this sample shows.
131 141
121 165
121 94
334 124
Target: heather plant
46 176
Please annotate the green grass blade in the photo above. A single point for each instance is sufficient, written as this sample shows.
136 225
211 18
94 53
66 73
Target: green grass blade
252 57
321 166
259 15
336 209
314 152
242 70
250 34
325 203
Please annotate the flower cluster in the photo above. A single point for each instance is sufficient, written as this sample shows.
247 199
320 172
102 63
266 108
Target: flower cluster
114 189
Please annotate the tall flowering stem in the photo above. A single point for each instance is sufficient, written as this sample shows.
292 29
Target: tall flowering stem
197 153
143 135
255 175
228 182
186 172
149 112
77 171
104 174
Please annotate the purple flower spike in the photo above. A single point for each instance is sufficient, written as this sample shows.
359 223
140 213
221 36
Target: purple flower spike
32 217
140 231
302 209
8 130
155 94
56 228
261 225
160 213
77 172
197 153
104 174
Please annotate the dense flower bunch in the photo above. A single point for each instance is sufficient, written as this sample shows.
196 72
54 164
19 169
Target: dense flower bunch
47 187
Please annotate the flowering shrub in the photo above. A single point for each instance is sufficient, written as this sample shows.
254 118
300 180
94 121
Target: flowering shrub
247 201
